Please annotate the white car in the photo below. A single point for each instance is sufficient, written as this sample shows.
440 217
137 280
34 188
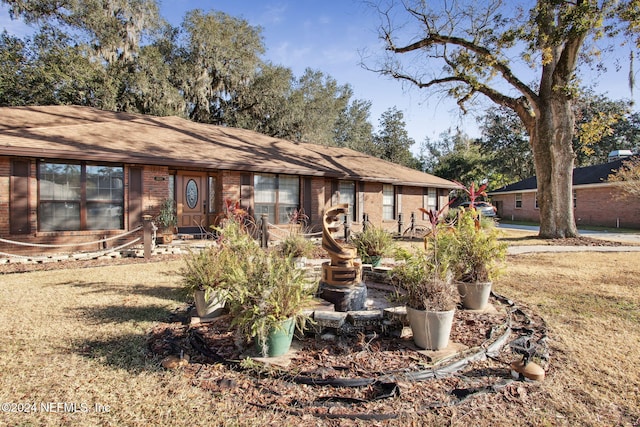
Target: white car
485 209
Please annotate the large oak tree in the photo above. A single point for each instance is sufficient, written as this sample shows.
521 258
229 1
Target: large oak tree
466 48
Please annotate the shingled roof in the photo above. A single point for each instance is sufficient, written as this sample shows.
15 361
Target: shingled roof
84 133
587 175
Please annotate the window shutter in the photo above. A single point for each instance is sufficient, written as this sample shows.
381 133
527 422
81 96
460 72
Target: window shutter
135 197
19 198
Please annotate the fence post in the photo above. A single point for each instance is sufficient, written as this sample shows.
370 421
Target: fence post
264 235
400 223
147 235
413 221
365 221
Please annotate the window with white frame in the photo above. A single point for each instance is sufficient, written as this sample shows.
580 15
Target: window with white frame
432 199
278 196
388 202
518 200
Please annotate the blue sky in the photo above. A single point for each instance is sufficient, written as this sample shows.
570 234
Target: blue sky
328 36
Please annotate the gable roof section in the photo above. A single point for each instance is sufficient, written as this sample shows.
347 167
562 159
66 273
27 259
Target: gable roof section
84 133
587 175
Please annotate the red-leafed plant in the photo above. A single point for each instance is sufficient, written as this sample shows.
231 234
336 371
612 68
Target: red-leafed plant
473 192
424 277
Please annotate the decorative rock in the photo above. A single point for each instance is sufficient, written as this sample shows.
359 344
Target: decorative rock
365 318
531 370
397 314
329 319
344 298
328 337
175 362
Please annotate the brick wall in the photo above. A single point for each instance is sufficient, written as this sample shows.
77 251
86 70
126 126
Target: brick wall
154 191
600 206
595 206
230 185
155 188
318 194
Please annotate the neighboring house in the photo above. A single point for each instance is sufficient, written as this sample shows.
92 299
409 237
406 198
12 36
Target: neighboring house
70 174
595 201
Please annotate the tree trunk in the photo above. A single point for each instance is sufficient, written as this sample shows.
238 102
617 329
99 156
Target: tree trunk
553 158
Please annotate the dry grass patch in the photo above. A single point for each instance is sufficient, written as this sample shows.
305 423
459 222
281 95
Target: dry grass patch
591 302
79 336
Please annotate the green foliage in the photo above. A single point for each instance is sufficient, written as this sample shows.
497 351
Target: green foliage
167 218
392 142
505 145
234 234
474 251
219 55
372 241
353 128
295 245
223 266
628 178
208 269
267 289
423 282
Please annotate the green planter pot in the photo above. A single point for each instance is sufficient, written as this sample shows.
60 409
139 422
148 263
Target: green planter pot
278 339
373 260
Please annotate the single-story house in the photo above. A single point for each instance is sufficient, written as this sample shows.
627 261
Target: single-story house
596 201
70 174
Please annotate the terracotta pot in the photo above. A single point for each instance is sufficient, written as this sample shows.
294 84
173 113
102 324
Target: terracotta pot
431 329
475 296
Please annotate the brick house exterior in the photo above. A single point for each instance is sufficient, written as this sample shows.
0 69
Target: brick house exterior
72 174
596 202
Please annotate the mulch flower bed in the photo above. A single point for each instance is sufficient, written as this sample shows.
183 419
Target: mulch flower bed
365 376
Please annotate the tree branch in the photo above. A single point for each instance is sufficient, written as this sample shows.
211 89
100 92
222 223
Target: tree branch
493 62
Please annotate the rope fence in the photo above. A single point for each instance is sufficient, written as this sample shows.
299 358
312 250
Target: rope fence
66 245
79 254
287 231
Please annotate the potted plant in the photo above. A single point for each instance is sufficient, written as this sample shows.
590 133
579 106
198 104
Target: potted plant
296 247
205 277
424 280
476 257
167 220
475 251
210 273
267 300
372 244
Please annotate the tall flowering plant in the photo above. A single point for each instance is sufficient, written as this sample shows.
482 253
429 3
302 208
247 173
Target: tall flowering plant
424 278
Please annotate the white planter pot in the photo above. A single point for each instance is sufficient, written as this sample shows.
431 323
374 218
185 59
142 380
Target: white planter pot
475 296
300 262
212 307
431 329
